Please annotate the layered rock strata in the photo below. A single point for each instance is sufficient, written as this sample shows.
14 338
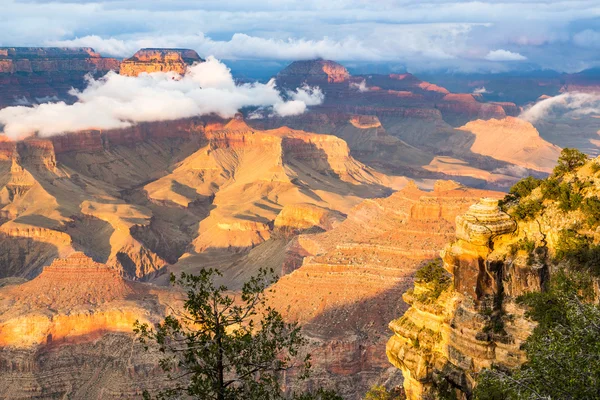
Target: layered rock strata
68 332
159 60
347 281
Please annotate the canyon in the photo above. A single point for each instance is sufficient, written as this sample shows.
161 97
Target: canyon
345 202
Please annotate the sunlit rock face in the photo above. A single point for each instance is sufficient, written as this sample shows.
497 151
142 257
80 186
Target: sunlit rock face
31 75
159 60
476 323
513 140
69 331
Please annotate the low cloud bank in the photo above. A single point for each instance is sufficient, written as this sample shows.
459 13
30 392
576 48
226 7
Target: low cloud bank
117 101
504 55
571 104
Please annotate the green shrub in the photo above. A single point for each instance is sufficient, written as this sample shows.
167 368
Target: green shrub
566 194
569 161
551 189
527 209
526 245
435 274
569 199
521 189
591 208
379 392
579 251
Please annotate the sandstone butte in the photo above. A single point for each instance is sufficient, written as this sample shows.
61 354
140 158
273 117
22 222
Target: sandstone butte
159 60
454 337
313 72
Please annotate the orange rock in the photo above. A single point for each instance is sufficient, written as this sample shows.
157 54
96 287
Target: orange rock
159 60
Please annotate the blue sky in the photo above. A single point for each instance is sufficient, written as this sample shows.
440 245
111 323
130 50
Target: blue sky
420 35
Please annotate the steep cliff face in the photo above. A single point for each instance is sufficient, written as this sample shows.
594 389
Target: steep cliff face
453 337
159 60
442 343
30 75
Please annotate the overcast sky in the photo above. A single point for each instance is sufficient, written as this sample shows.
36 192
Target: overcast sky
490 35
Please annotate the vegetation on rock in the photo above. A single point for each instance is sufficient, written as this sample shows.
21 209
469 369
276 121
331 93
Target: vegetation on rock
436 276
563 352
379 392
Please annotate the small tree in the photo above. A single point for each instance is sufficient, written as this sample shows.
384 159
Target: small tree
223 347
380 392
569 161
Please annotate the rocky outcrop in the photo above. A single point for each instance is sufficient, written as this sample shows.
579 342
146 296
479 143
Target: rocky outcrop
159 60
451 338
302 218
30 75
443 343
37 154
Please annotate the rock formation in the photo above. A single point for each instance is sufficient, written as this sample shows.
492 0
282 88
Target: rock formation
30 75
69 332
454 332
159 60
312 72
441 344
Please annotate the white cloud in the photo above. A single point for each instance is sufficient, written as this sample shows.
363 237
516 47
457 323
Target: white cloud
361 86
571 104
480 90
512 170
311 96
117 101
422 34
504 55
293 107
